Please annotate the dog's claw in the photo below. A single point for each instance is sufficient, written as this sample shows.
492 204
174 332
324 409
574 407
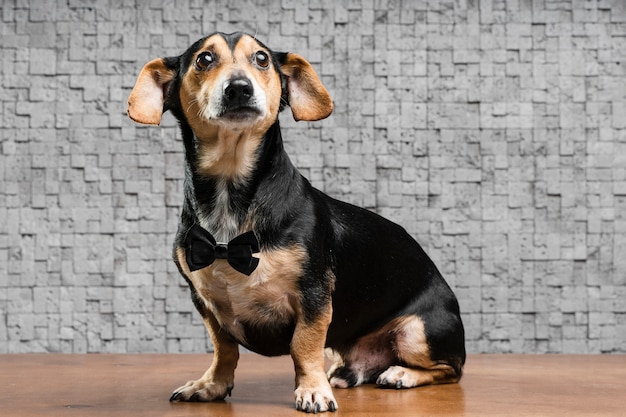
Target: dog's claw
315 400
314 408
229 390
175 396
399 384
194 397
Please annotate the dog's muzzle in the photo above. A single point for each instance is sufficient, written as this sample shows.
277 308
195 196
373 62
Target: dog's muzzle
238 101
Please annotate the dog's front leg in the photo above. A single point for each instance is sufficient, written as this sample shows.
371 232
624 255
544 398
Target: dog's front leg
313 392
218 380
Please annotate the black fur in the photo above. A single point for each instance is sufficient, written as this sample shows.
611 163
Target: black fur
368 267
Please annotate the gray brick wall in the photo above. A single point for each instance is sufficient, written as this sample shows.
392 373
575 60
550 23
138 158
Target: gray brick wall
493 130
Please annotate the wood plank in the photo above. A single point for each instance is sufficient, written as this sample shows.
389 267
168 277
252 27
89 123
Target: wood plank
45 385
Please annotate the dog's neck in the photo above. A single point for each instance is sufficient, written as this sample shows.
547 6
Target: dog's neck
222 203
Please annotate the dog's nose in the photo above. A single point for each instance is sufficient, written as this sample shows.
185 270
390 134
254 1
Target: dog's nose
237 92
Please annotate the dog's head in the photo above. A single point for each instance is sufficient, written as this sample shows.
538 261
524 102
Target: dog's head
232 81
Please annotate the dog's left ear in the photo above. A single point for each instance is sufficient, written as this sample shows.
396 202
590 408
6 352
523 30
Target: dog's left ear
145 103
308 98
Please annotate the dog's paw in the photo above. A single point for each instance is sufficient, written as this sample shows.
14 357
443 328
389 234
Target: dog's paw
398 377
202 391
343 377
315 399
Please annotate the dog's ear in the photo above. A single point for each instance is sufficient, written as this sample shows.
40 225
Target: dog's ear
308 98
145 103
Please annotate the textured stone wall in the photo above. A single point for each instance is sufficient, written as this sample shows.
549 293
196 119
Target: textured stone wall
493 130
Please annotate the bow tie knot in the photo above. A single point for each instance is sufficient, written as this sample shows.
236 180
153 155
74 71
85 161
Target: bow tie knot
221 251
201 250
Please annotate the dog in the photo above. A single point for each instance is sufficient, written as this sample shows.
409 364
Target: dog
274 264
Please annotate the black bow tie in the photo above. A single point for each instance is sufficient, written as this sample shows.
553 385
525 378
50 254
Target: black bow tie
202 250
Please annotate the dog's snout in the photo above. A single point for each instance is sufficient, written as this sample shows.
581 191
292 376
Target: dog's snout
238 101
238 92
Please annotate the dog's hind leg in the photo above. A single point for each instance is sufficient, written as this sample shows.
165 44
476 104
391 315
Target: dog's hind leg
398 355
415 365
364 361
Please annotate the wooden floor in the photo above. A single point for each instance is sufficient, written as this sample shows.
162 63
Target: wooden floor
140 385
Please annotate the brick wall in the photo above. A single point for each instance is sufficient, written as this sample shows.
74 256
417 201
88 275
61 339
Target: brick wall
493 130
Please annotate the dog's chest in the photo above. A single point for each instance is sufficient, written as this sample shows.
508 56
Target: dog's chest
221 219
269 297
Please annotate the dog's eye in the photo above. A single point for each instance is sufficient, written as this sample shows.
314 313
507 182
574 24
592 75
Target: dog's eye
205 60
261 59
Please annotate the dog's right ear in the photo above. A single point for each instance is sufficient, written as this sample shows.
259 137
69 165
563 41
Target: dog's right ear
146 101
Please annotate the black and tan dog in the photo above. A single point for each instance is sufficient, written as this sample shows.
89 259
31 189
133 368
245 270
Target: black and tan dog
301 271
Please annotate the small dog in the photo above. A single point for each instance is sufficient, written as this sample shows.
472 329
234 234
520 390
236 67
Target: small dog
300 271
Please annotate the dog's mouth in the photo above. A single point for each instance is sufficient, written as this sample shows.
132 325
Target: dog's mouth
240 113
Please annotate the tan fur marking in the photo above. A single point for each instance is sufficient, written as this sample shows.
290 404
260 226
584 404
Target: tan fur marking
308 343
412 348
232 156
411 344
307 351
268 295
